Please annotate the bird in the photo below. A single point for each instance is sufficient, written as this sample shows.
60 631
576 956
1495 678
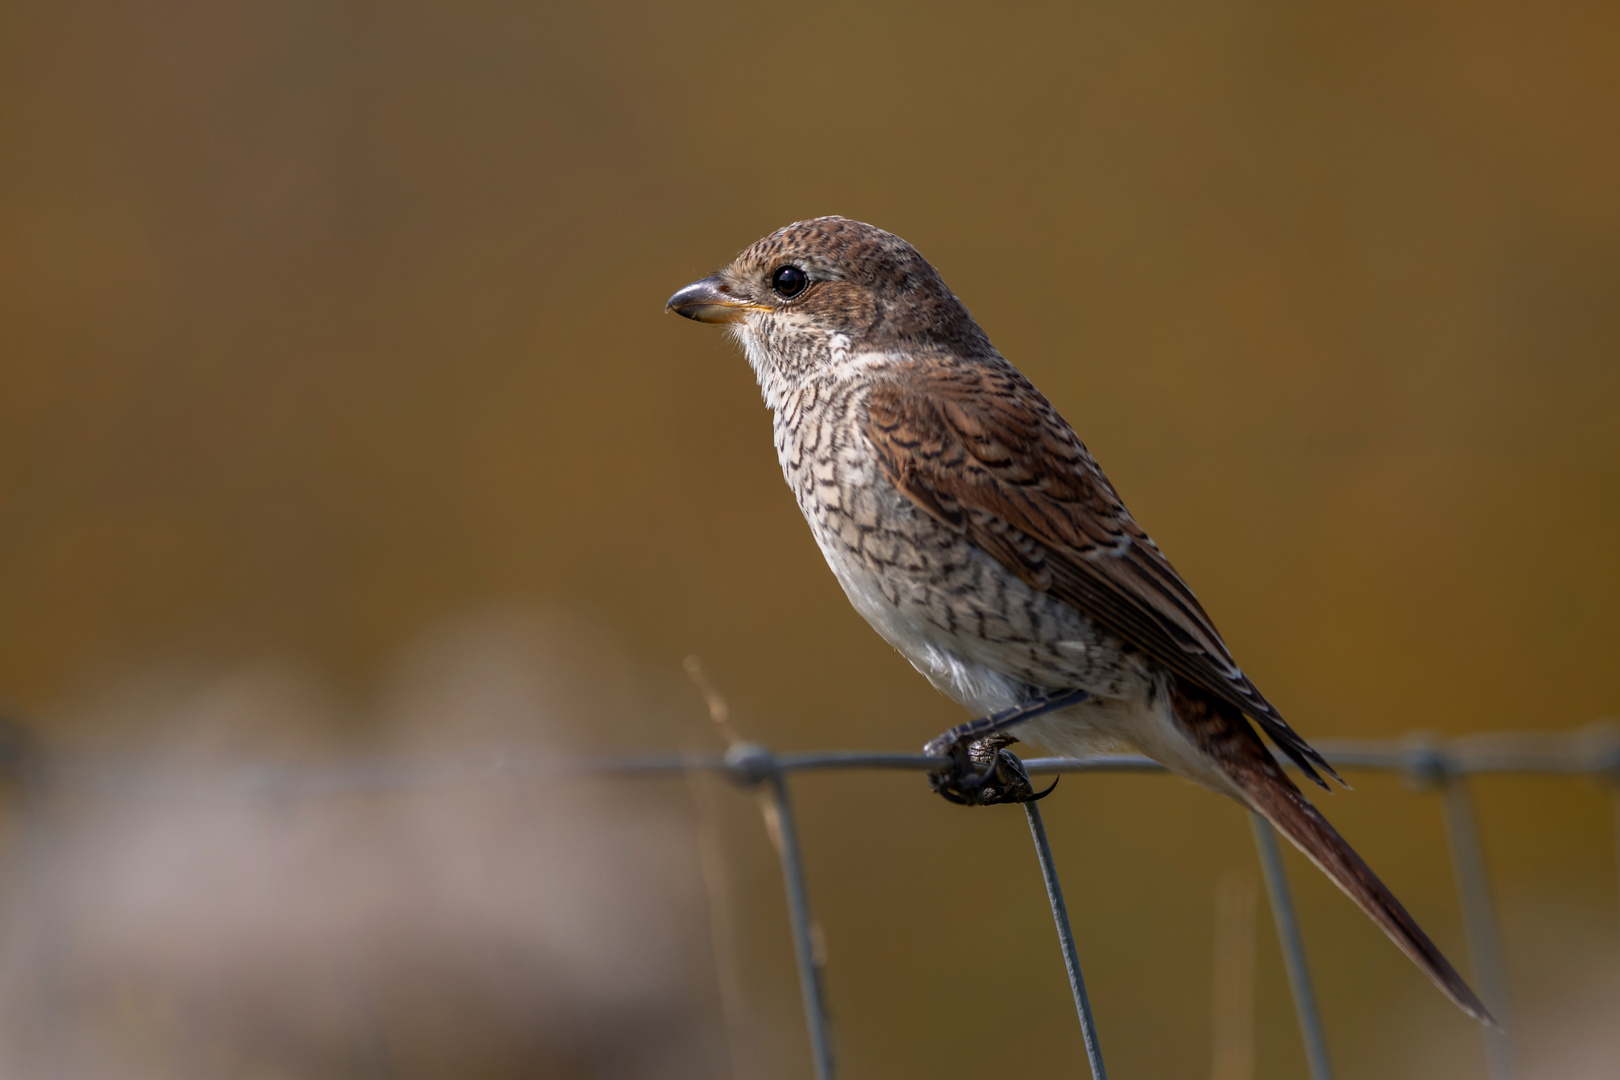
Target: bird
970 526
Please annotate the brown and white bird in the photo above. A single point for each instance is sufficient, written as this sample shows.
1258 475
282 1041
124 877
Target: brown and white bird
969 525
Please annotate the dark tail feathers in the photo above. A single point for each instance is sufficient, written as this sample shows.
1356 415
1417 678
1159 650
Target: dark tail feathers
1224 734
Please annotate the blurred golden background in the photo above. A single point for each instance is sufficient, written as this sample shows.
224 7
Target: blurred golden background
328 331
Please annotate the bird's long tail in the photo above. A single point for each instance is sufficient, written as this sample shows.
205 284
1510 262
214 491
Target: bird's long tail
1226 735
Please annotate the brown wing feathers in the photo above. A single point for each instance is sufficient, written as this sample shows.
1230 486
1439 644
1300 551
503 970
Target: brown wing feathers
982 451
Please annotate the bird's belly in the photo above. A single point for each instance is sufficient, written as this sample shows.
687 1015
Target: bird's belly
1128 712
976 631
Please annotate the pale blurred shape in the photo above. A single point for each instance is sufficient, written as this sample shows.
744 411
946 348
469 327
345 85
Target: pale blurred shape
170 915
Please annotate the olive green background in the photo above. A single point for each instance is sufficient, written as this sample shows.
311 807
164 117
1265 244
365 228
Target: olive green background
324 325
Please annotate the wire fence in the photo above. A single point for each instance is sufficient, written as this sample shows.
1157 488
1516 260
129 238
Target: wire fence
1444 766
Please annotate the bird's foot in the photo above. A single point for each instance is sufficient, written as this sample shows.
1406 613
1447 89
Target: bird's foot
983 772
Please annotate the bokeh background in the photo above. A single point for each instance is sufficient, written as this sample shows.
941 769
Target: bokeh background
332 359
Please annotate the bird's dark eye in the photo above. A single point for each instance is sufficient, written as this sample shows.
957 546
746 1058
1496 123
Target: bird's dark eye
789 281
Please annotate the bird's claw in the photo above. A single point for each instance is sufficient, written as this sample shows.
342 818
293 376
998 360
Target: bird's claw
983 772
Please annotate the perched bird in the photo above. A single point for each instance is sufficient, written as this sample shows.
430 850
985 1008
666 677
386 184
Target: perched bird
969 525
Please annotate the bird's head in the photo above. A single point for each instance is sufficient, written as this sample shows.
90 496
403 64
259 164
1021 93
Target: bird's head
816 290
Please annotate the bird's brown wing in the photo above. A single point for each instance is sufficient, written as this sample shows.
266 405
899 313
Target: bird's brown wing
979 449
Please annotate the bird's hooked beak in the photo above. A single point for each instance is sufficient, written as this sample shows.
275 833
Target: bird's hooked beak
709 300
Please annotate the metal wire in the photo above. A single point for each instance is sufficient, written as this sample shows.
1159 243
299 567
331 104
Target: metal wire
1479 916
1591 751
1071 957
1293 948
750 763
804 949
1594 750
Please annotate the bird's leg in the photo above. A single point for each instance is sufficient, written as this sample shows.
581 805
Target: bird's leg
982 771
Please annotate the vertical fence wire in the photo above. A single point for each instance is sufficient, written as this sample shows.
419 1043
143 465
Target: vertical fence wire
1293 948
798 900
1479 920
1071 957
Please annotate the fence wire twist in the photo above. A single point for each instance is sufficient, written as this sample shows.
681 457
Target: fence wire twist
1425 762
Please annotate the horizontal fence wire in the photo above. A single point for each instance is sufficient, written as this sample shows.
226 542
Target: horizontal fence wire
1422 759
